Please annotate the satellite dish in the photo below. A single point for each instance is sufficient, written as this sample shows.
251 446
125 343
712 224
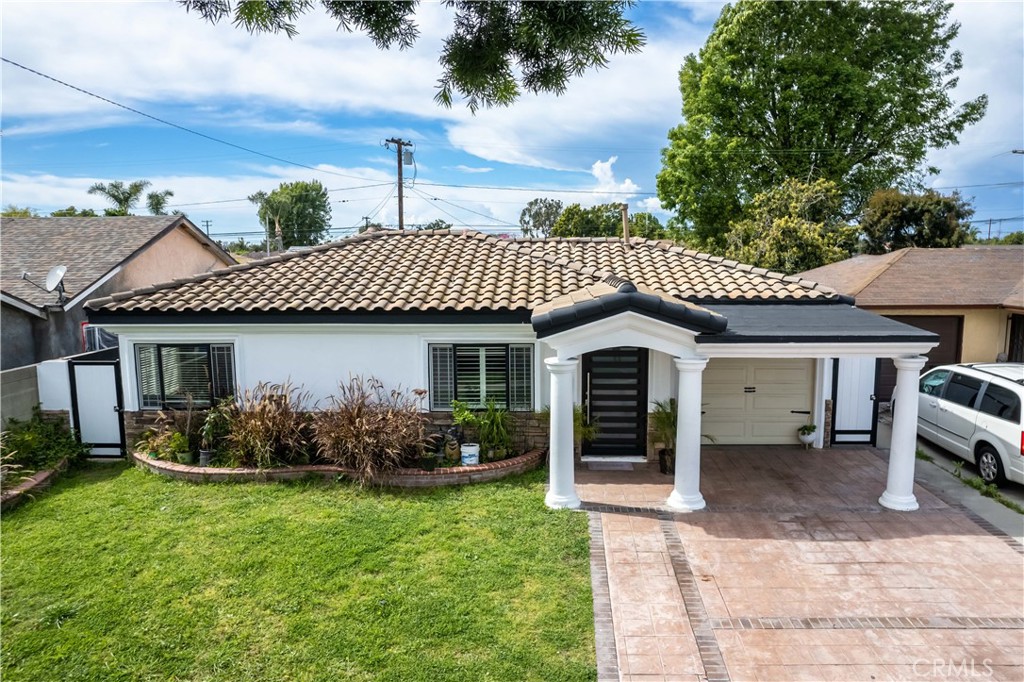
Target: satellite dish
55 276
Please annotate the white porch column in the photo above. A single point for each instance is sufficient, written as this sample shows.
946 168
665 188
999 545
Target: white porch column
686 493
899 487
562 484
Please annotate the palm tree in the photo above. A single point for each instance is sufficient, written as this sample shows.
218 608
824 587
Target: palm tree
157 201
123 197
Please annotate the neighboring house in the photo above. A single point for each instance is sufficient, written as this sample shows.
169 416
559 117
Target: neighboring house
102 255
972 297
602 322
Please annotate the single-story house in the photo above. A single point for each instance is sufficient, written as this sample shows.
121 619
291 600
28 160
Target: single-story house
102 256
608 324
972 297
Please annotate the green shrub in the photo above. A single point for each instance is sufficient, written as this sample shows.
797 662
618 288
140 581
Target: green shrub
269 426
38 443
370 429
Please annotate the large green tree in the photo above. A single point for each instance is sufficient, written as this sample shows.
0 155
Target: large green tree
126 197
791 228
72 212
12 211
602 220
299 212
854 92
539 216
495 51
123 197
894 220
605 220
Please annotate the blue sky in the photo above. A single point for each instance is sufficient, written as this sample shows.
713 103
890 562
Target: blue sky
328 99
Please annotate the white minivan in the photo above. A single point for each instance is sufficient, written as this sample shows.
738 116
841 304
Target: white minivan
974 411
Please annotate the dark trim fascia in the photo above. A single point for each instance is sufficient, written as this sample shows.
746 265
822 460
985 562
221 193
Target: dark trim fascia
816 338
308 317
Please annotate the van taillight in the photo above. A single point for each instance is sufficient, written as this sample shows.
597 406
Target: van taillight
1022 443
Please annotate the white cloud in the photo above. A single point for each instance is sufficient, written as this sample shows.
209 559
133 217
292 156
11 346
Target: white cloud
608 188
470 169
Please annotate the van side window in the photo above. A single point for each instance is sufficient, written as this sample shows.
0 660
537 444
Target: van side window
962 390
1001 402
931 383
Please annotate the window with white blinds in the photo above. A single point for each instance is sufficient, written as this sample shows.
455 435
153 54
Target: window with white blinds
171 373
475 374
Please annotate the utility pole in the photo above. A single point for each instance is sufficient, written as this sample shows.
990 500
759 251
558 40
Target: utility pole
206 226
399 143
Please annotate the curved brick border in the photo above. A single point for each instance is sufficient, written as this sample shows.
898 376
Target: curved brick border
37 482
407 478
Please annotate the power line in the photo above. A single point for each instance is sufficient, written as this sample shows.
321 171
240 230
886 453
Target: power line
536 189
462 208
229 201
175 125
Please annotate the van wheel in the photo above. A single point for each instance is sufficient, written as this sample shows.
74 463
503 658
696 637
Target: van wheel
989 466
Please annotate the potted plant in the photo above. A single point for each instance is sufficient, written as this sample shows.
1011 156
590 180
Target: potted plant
495 427
582 430
663 421
214 427
806 434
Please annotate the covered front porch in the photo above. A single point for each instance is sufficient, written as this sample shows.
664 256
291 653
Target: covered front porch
623 316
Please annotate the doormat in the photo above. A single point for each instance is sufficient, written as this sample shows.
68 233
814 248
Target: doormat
610 466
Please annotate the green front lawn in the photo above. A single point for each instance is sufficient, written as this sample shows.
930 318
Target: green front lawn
121 575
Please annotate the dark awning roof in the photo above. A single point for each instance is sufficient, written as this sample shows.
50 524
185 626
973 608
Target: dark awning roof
828 323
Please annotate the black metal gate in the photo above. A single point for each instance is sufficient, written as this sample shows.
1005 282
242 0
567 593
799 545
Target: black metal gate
615 396
97 405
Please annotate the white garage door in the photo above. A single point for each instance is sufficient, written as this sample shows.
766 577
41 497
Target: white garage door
759 402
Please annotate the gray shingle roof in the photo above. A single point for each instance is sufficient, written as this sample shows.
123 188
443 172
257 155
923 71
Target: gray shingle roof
88 247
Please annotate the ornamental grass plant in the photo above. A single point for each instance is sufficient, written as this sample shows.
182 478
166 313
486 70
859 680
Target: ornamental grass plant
370 429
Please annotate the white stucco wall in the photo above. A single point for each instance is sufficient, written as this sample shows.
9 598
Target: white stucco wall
318 357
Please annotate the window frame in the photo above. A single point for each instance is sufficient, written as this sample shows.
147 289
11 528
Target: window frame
208 346
941 388
530 375
973 403
984 394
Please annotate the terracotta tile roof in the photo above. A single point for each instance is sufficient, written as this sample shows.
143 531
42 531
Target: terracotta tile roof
968 276
454 271
88 247
680 272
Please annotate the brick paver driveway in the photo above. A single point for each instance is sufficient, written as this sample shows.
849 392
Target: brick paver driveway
794 572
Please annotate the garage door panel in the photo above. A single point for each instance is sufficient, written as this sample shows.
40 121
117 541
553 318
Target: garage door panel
765 416
780 404
780 375
715 376
724 431
736 403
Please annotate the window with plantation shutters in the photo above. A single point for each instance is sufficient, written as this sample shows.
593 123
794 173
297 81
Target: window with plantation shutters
442 377
520 381
475 374
172 374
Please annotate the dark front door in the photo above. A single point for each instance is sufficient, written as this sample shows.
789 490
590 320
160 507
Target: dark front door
615 396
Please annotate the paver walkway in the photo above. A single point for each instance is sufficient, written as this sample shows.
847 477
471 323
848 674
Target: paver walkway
794 572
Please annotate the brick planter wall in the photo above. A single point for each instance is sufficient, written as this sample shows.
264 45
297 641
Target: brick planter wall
37 482
406 478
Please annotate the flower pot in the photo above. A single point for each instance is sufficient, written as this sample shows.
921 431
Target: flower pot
805 438
185 457
666 461
428 462
204 457
470 453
